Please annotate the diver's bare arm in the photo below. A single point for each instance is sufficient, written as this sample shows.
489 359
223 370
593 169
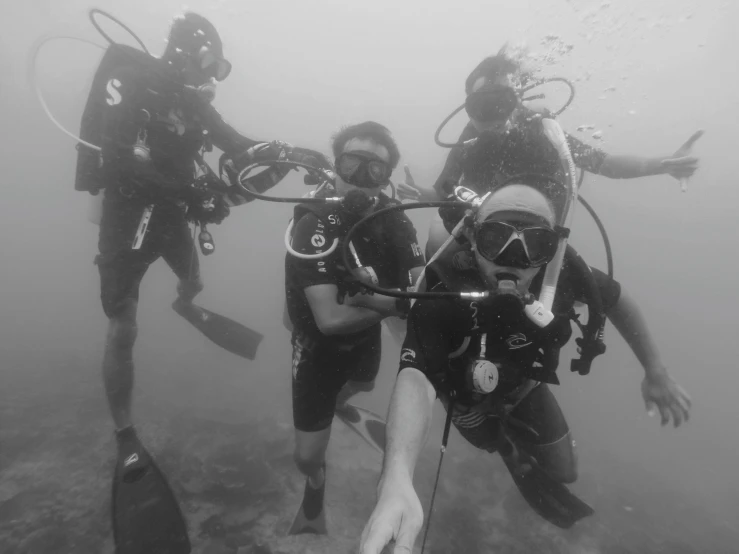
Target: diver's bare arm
628 319
630 167
380 303
333 318
408 423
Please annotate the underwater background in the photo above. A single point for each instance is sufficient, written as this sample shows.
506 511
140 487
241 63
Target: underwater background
647 74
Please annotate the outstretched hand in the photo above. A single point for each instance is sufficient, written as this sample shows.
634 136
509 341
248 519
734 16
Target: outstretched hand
397 517
682 165
409 190
661 392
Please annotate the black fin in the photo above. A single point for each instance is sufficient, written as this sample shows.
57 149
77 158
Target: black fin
550 499
226 333
146 515
311 517
368 425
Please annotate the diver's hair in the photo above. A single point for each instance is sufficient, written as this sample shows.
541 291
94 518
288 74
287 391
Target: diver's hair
367 130
491 68
183 34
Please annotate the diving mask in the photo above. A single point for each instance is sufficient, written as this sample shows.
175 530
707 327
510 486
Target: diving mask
491 103
363 169
211 65
534 246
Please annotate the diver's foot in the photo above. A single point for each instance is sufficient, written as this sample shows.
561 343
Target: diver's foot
131 454
313 495
180 304
188 290
311 517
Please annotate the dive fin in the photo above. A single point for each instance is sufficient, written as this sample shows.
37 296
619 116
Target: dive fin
226 333
146 515
550 499
311 517
368 425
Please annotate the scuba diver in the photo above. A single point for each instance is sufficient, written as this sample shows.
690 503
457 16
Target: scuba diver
491 362
146 125
336 332
502 138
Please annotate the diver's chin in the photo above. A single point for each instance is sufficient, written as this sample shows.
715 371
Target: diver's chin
493 127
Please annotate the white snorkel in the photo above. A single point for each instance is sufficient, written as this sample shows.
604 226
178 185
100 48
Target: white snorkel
540 311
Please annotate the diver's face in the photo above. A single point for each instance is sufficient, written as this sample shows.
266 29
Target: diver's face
193 75
494 127
493 272
368 146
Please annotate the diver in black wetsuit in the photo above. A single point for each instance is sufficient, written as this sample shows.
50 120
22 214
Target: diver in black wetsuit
336 334
155 121
491 365
509 140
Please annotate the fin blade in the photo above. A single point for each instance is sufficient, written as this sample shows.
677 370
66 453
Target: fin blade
224 332
146 514
313 501
368 425
304 526
551 499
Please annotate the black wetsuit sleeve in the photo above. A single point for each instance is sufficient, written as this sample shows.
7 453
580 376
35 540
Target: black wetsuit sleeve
310 236
225 137
235 145
407 250
452 171
450 174
585 156
610 289
428 340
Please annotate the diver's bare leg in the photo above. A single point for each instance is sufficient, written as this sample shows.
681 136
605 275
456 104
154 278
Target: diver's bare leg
310 454
118 364
188 289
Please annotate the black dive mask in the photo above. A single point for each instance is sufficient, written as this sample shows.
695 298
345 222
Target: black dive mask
363 169
491 104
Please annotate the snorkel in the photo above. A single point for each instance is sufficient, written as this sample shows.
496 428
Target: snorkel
540 311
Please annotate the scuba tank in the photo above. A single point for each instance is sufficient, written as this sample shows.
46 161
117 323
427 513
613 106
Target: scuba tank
88 175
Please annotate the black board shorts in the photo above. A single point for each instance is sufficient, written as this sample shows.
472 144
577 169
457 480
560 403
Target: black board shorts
122 268
538 412
321 367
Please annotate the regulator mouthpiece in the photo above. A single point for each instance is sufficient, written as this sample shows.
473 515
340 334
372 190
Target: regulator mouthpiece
205 92
357 202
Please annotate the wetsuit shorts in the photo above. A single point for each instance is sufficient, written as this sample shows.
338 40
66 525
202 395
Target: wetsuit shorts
537 421
121 268
321 367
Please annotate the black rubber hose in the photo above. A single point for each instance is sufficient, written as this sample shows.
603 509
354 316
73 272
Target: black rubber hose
268 163
396 293
601 227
